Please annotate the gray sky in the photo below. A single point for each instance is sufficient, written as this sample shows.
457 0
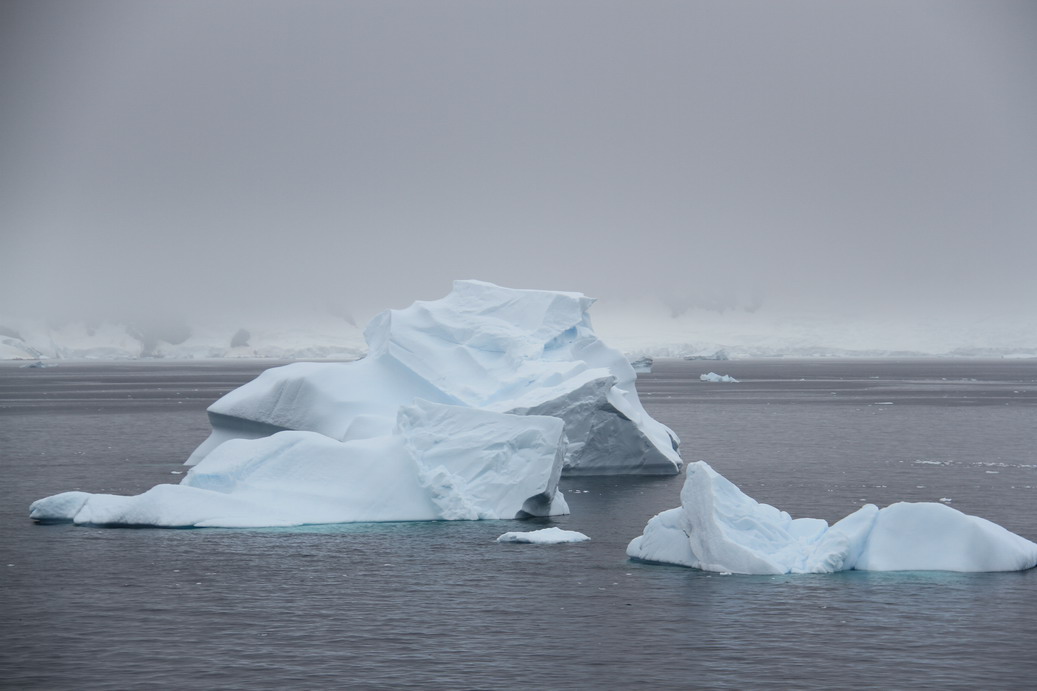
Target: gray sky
176 155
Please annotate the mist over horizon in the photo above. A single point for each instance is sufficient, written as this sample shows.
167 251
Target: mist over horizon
183 161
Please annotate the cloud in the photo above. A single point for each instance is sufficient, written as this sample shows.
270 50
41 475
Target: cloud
177 157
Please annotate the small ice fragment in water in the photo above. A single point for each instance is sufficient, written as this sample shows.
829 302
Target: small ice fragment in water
546 536
715 378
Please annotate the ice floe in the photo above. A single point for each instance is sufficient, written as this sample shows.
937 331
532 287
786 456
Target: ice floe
719 528
545 536
713 377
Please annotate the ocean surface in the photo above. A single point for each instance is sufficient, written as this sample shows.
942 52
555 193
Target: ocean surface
443 606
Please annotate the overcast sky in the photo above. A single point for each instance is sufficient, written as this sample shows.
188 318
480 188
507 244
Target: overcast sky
171 155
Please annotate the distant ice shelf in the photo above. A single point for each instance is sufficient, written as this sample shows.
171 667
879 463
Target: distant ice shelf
719 528
307 336
637 327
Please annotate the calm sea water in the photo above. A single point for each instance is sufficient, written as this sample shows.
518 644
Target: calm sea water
441 605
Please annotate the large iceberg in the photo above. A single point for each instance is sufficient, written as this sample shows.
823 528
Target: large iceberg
468 407
719 528
526 352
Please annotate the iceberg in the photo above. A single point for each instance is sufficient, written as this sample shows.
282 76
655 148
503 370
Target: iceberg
524 352
715 378
546 536
467 408
719 528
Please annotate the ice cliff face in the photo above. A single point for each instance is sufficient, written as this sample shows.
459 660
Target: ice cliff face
526 352
468 407
719 528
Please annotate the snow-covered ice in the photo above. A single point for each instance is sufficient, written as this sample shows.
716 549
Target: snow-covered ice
719 528
637 326
303 336
802 328
713 377
545 536
467 407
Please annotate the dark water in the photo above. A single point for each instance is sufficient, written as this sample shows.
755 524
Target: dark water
441 605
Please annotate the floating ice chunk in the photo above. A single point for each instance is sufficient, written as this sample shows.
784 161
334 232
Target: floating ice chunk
717 355
642 365
717 378
546 536
441 463
719 528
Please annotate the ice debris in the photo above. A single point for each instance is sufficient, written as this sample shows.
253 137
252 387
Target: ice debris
642 365
719 528
713 377
546 536
39 364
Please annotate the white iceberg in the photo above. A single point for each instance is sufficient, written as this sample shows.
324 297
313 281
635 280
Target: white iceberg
713 377
545 536
719 528
642 365
440 463
467 408
529 352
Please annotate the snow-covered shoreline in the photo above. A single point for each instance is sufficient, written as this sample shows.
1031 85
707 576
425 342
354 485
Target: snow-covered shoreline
638 328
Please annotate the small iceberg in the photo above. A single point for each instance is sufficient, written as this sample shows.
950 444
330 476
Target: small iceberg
718 378
719 528
642 365
546 536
